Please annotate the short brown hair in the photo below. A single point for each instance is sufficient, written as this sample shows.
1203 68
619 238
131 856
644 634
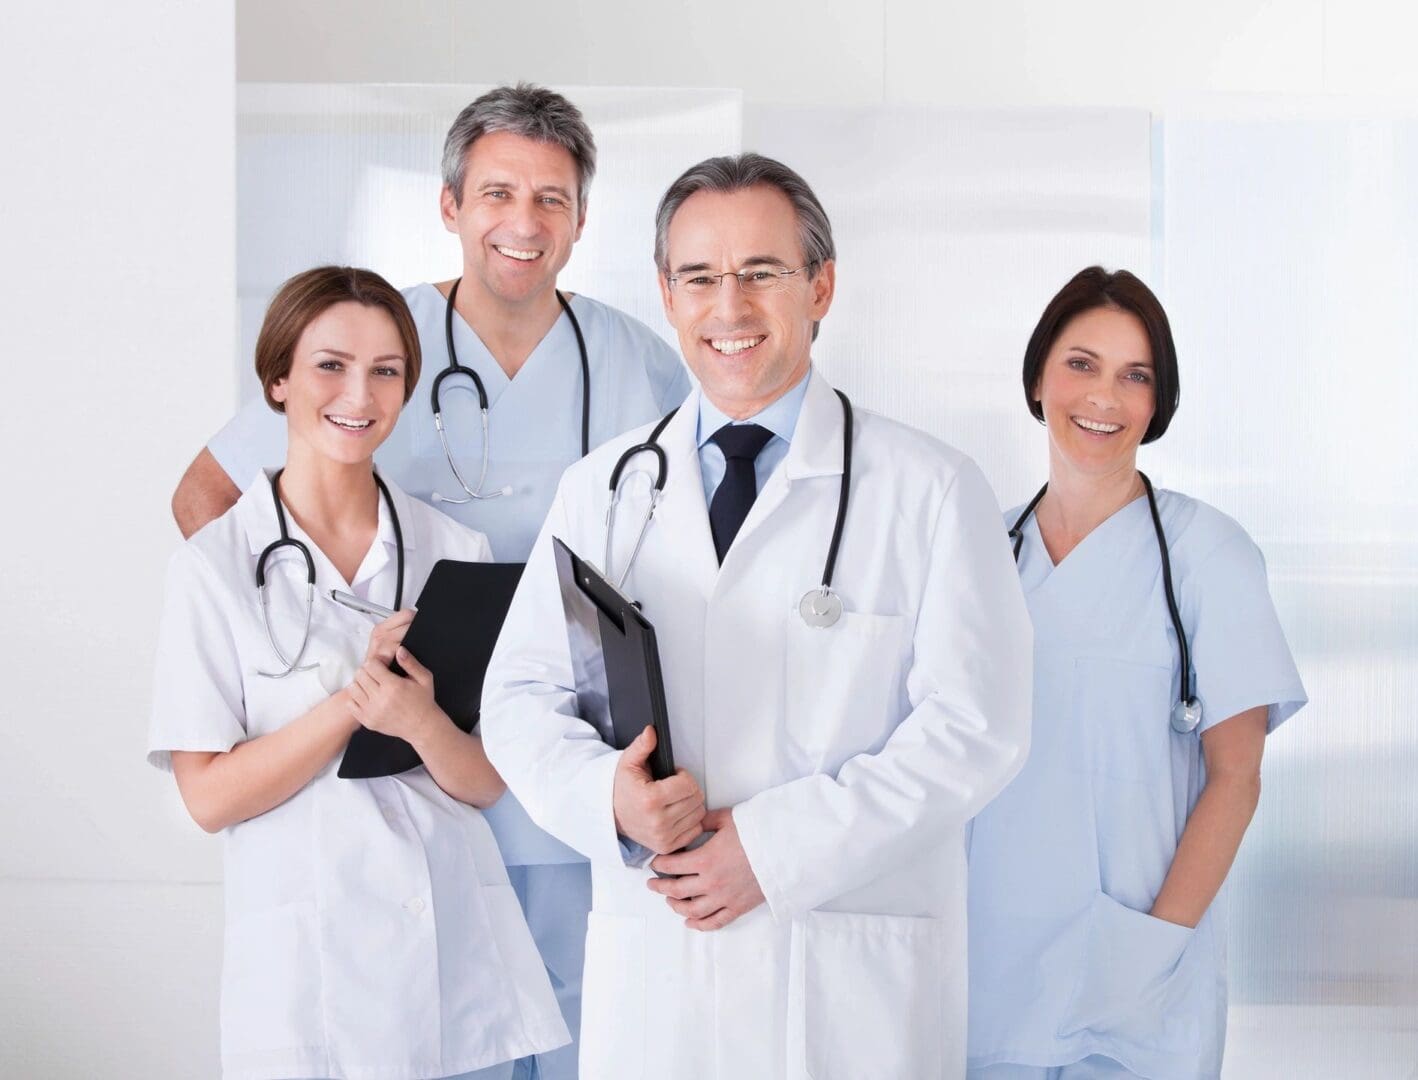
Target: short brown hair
1094 288
302 299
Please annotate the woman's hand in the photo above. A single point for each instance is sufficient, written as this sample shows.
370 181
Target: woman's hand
385 638
395 705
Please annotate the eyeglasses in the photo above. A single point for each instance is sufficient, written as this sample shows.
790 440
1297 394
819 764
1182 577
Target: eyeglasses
760 279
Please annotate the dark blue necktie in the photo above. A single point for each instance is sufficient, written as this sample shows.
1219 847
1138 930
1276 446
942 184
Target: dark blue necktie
741 444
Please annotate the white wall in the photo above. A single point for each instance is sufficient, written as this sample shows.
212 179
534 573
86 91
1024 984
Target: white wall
1109 53
117 217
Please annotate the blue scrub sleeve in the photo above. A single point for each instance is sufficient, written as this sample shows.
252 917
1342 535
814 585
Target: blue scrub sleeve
1240 658
252 440
667 376
198 702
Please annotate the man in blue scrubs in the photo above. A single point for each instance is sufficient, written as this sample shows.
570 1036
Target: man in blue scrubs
517 164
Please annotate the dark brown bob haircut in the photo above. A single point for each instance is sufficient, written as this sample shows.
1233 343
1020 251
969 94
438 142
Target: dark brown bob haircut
1096 288
302 299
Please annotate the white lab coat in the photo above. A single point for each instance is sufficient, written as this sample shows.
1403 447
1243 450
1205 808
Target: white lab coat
371 931
852 756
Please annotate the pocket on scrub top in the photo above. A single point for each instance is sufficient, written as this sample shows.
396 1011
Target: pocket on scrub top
271 981
1132 982
1122 709
843 683
872 994
613 1020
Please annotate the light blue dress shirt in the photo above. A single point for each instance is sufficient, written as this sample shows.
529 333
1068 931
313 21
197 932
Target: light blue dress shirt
781 418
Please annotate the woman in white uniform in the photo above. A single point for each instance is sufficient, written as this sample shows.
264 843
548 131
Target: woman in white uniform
370 928
1097 940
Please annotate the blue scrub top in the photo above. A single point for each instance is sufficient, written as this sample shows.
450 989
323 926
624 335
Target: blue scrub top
1065 962
535 432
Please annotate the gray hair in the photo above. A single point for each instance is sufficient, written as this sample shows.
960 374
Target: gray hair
533 112
726 175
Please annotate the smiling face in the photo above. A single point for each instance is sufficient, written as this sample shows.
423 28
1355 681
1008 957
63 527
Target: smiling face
1097 391
746 349
345 387
519 215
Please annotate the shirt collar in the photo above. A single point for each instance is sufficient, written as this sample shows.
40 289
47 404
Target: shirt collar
256 510
780 416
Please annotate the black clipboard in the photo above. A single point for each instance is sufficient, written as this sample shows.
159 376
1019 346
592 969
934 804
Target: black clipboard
615 660
460 614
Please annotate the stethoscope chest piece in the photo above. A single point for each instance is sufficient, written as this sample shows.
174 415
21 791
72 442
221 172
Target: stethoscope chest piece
820 607
1186 716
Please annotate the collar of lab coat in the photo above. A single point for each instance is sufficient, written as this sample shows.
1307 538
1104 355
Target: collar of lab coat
256 511
814 450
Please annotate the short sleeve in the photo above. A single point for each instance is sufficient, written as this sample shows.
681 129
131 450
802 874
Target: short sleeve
667 375
198 702
253 439
1240 658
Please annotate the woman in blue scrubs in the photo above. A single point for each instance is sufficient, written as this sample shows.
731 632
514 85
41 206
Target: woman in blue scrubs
1097 942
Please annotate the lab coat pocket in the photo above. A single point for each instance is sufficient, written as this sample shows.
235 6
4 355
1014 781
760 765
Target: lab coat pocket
872 994
613 1025
843 684
1123 709
1130 985
270 981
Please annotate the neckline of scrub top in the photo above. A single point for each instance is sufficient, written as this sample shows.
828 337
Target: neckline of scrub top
375 559
1044 560
495 380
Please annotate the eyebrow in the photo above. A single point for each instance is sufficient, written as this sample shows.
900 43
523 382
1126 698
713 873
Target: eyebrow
351 356
752 260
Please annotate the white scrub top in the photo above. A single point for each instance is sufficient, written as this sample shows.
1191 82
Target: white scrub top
535 432
1065 962
370 928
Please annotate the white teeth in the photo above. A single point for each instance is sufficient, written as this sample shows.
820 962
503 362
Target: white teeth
346 422
518 253
737 345
1094 425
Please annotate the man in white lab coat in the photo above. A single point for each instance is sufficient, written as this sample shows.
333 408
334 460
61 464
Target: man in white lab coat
819 931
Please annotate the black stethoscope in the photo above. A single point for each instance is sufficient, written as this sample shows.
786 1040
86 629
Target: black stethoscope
1186 713
287 540
820 607
455 368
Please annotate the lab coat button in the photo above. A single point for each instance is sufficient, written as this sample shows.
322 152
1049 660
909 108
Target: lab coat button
416 905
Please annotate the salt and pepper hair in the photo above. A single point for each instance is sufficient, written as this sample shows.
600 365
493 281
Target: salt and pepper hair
726 175
533 112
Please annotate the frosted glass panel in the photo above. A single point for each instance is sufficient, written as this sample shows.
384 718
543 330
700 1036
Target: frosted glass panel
350 174
953 231
1290 267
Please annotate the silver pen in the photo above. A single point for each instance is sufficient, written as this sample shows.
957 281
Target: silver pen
364 607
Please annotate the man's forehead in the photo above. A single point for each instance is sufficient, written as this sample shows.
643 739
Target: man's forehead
516 155
751 221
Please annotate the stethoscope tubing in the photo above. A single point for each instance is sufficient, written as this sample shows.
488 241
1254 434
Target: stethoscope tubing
1187 700
652 446
287 540
455 367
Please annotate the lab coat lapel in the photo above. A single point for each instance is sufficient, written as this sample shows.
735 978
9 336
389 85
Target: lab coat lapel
683 515
816 450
